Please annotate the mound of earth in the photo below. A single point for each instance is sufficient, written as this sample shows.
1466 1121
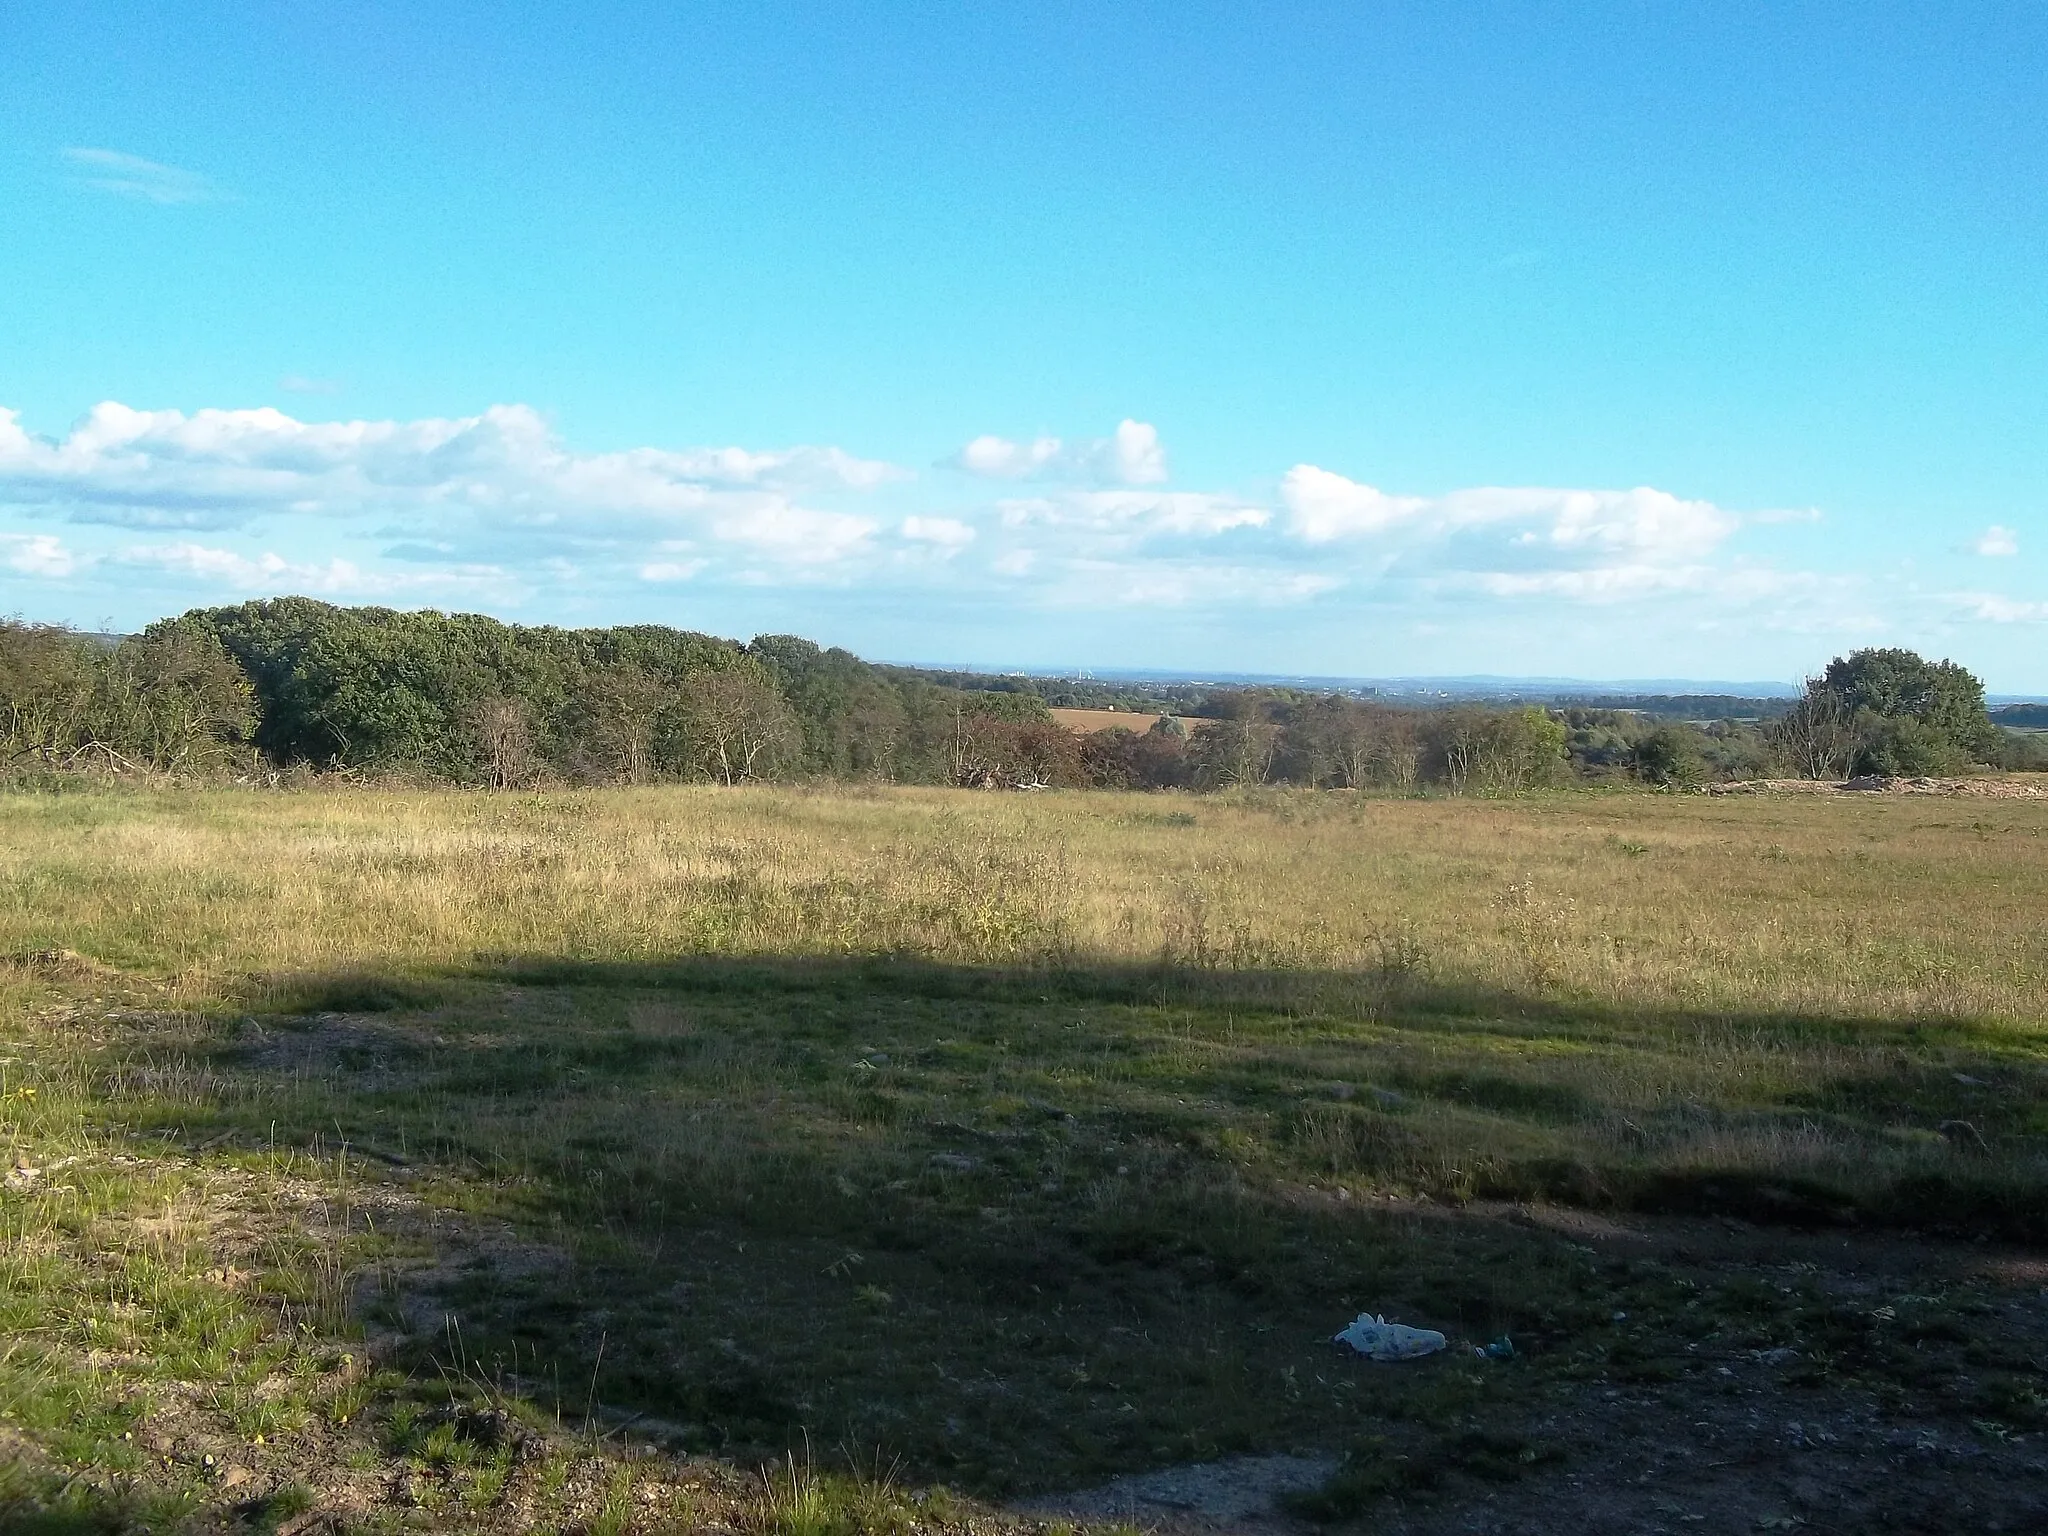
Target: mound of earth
1987 787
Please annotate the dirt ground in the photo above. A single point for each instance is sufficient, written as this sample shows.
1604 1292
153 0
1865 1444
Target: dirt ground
1746 1444
1984 787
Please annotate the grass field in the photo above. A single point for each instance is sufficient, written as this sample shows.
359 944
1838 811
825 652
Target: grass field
400 1154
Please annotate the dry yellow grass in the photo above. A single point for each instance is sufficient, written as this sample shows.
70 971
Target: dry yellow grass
1850 908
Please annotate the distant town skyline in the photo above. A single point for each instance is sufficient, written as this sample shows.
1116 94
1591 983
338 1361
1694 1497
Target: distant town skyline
1583 342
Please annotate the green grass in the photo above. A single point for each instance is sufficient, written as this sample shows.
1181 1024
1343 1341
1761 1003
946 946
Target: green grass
1012 1143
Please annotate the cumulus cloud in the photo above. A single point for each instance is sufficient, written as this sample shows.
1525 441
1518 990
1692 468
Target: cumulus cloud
1992 608
1132 455
1185 584
1136 512
1324 507
1996 542
148 181
947 533
671 570
497 506
795 534
497 482
36 554
268 571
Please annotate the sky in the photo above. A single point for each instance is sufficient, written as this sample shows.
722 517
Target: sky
1570 339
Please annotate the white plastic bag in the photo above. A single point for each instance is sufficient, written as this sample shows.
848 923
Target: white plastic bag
1377 1339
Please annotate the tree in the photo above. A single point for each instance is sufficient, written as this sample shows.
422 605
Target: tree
172 697
615 725
1349 744
736 724
996 751
503 737
1817 736
1943 699
1224 754
48 680
1887 711
1670 755
853 723
1494 751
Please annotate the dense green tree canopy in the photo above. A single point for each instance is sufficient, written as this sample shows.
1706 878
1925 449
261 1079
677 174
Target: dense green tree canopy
470 699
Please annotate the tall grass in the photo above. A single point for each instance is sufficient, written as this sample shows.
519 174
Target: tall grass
1838 908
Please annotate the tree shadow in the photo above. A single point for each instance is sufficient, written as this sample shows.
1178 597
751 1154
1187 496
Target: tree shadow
1028 1227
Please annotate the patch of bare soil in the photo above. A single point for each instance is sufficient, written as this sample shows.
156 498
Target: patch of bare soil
1744 1441
1245 1493
332 1042
1987 787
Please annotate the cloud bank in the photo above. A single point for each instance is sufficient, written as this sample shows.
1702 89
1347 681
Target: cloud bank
496 508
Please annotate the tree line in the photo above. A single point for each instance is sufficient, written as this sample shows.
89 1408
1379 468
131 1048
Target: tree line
291 685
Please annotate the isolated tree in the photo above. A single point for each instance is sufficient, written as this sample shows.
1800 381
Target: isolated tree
1887 711
1883 689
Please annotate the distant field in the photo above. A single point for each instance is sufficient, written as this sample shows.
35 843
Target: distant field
1088 721
1020 1141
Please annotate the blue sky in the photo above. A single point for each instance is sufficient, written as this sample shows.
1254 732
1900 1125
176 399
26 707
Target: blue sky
1348 339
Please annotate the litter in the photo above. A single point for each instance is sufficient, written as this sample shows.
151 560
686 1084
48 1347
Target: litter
1502 1348
1378 1339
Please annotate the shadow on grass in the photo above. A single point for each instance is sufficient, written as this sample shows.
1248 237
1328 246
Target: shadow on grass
1029 1228
1937 1122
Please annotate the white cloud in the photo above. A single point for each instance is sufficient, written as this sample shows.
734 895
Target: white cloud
795 534
1609 583
1991 608
998 458
1132 455
1324 507
271 572
1136 513
1184 584
671 570
1996 542
37 554
262 459
1015 562
948 533
497 504
495 483
109 170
